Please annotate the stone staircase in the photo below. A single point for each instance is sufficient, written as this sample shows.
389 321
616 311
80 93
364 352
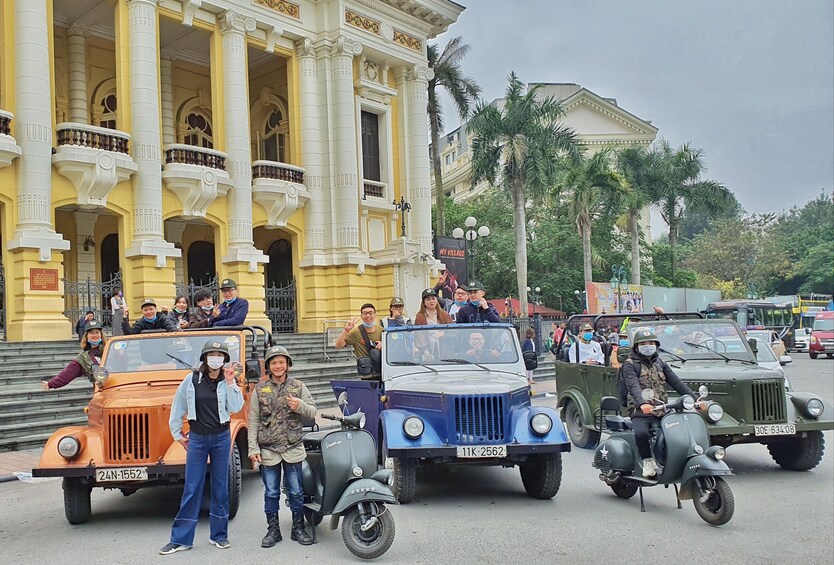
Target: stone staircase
29 415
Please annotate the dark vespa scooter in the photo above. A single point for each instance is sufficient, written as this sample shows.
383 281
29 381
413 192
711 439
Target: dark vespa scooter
340 479
681 448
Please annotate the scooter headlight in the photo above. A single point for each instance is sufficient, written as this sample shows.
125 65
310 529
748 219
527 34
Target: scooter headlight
541 424
362 422
715 412
688 402
68 447
413 427
716 452
814 407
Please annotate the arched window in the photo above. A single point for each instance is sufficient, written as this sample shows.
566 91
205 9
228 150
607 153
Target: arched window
273 140
198 131
108 112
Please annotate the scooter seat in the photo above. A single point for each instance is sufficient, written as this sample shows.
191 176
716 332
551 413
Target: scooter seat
312 440
618 423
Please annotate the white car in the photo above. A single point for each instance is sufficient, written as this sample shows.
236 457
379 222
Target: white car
801 339
767 359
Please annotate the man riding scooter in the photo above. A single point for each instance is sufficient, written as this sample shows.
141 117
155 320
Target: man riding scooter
644 369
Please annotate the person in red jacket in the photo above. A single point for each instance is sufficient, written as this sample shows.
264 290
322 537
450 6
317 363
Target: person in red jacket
92 345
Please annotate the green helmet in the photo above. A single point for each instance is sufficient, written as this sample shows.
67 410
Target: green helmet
216 347
643 335
275 351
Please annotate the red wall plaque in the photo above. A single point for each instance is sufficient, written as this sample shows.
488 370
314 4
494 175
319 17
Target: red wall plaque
43 279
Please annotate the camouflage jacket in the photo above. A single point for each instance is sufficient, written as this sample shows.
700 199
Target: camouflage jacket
274 429
641 373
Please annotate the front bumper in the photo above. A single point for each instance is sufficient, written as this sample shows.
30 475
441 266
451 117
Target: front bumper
168 473
449 453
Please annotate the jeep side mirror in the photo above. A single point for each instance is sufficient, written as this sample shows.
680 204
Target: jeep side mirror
531 360
253 370
364 366
785 359
754 346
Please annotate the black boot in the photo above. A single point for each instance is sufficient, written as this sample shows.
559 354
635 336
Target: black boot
299 533
273 534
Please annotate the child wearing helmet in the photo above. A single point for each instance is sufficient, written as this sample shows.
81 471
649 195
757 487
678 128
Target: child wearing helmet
277 409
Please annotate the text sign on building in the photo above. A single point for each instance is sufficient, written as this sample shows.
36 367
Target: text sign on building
451 253
43 279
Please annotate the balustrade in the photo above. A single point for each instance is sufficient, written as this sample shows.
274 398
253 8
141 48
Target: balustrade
192 155
277 171
92 137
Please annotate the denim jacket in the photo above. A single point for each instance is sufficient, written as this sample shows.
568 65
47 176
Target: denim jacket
229 401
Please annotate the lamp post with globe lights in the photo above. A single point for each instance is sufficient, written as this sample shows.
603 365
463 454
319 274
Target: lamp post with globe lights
534 297
468 238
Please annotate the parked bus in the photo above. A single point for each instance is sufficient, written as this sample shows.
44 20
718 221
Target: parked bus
804 308
754 313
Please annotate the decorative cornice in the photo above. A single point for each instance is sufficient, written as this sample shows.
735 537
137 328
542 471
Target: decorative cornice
405 16
281 6
408 41
362 22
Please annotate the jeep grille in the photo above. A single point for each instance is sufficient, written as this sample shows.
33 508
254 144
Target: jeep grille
768 401
128 440
479 419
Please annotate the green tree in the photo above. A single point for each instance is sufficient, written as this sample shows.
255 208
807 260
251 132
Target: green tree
634 164
515 147
676 185
462 90
589 186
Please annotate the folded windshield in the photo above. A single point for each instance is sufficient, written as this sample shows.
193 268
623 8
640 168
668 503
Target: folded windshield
698 339
450 345
163 353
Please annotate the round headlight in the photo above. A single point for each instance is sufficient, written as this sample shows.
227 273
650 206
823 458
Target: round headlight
362 422
413 427
688 402
715 412
541 423
68 447
717 452
814 407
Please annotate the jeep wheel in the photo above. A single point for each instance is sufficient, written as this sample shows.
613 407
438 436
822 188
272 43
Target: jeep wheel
625 490
542 475
798 454
76 501
235 476
579 434
812 355
405 479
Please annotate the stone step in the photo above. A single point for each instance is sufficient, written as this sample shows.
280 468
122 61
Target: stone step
26 429
33 441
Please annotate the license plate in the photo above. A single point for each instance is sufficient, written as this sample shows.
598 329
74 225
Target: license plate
479 451
774 430
123 474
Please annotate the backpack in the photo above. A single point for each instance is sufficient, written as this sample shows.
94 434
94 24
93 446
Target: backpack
622 388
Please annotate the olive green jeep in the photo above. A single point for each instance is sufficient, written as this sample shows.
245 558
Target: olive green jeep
750 404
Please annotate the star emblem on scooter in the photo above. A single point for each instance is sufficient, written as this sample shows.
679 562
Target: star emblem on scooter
604 452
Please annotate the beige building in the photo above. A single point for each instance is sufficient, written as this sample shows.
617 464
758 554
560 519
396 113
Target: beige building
150 143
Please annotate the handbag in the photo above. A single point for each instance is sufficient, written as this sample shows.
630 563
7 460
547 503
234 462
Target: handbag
374 354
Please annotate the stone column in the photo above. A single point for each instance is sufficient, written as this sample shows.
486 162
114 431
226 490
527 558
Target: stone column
169 126
416 140
34 268
243 262
77 67
316 212
344 165
173 233
85 226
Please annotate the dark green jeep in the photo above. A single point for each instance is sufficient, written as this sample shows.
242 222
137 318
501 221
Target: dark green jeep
752 404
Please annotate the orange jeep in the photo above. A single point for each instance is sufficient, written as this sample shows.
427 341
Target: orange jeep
127 444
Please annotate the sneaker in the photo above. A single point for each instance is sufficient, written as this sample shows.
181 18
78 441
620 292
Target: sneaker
649 468
173 548
222 544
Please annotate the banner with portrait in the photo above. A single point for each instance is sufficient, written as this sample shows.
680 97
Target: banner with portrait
451 252
602 299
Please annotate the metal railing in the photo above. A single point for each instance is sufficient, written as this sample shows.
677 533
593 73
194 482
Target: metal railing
190 290
6 122
83 135
89 294
373 189
280 307
277 171
181 154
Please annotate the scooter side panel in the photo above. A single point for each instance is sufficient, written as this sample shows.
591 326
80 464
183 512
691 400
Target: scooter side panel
617 452
341 452
363 490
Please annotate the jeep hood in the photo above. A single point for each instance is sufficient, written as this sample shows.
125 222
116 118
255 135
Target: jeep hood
466 381
699 370
137 396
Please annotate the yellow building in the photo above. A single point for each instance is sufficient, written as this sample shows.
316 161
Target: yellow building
153 143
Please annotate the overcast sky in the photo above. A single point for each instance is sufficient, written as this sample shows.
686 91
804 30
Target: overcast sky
751 82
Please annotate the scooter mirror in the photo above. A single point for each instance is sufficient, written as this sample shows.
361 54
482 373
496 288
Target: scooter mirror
703 391
647 394
342 400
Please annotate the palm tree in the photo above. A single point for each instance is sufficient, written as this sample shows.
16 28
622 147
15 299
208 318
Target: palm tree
462 90
676 185
633 163
590 187
516 147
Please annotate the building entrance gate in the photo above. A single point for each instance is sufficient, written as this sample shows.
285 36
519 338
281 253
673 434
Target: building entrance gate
81 296
280 307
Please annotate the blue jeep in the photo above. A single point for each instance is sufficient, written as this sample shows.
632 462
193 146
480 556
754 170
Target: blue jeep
457 395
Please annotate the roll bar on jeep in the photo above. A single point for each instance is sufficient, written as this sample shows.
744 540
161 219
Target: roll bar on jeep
613 322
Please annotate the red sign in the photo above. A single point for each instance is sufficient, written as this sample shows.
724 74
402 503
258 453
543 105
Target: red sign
43 279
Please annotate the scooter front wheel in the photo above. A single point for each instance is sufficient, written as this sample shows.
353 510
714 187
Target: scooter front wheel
376 539
714 501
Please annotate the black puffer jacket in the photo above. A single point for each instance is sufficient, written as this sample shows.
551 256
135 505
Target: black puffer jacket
161 322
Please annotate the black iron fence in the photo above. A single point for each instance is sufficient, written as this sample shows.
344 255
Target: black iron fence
191 289
542 325
89 294
280 307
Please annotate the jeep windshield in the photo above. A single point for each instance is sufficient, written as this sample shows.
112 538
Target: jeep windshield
163 353
431 346
699 339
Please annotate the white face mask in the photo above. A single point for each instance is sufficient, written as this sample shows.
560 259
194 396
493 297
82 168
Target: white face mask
647 350
215 362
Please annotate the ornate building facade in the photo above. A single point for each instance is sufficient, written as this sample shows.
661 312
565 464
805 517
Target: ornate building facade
161 142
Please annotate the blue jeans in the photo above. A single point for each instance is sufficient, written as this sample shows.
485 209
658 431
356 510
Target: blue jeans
272 482
200 448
